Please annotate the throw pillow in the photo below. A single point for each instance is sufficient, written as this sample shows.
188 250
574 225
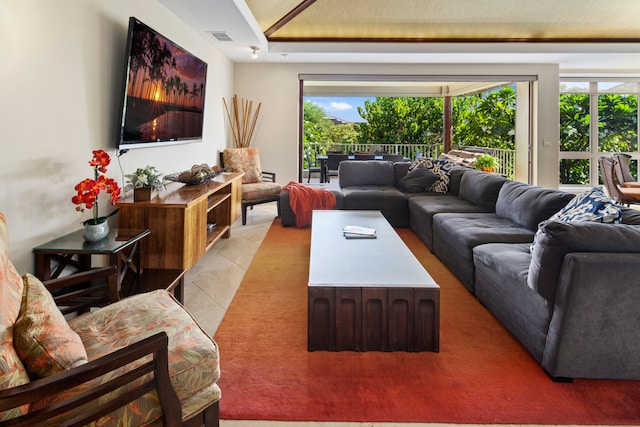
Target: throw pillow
592 205
246 160
42 338
441 168
417 180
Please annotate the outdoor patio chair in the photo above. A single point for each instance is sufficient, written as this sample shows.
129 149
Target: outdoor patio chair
333 162
393 157
364 156
313 165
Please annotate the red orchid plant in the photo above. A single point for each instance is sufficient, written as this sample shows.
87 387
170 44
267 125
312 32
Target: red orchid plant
89 189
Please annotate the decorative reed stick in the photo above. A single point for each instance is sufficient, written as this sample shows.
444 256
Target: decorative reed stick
243 122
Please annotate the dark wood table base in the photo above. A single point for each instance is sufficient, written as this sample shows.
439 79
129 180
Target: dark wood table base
378 319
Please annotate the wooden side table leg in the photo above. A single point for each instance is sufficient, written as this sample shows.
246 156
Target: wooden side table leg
178 292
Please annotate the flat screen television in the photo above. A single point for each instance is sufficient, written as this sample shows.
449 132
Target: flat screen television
163 91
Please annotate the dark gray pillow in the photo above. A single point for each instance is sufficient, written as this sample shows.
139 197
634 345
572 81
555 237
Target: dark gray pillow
417 180
556 239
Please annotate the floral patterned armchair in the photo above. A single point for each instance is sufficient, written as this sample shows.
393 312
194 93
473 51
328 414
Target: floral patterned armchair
142 360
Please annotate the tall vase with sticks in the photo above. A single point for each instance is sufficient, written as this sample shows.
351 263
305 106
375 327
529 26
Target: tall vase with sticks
242 119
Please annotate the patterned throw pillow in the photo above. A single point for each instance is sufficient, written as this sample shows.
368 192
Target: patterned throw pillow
246 160
42 338
442 168
592 205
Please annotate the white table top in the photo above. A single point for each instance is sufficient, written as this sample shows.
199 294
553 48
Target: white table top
382 262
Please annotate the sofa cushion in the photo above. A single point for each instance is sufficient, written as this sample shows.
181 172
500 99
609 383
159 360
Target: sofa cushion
387 199
501 286
456 234
366 172
556 239
400 169
442 168
417 180
630 216
43 339
529 205
455 176
422 208
481 188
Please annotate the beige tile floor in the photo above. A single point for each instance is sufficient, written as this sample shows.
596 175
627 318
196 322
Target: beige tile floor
211 284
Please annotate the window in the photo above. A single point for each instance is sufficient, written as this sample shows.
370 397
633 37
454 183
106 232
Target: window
596 118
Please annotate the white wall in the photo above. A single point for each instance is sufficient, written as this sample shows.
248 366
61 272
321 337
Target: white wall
60 83
277 87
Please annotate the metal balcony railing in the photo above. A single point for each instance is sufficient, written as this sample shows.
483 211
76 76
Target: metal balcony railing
506 158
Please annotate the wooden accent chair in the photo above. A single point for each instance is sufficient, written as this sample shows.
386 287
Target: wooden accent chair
142 360
258 186
611 182
623 170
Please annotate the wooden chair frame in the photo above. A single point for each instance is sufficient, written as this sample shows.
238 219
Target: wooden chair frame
74 297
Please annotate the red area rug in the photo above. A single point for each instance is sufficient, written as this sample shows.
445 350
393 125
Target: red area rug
480 376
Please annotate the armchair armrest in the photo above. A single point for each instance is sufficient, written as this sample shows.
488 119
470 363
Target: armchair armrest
42 389
268 176
79 292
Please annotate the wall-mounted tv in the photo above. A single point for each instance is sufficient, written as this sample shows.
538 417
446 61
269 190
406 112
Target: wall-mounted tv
163 91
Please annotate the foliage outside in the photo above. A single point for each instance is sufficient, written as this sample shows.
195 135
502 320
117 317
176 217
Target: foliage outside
485 120
617 130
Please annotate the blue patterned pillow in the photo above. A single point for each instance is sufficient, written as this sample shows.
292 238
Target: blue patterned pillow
592 205
442 169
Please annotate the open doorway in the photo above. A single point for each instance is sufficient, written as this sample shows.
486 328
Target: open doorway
443 113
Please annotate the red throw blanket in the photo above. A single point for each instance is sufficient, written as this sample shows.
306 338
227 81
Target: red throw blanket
303 199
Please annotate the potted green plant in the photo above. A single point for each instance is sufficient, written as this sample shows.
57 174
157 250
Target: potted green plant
143 181
486 163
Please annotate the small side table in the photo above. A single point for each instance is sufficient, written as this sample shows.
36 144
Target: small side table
171 279
123 247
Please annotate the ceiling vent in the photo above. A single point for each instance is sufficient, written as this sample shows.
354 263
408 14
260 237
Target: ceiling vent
221 36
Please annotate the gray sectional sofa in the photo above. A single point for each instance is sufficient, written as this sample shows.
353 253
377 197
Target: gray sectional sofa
573 301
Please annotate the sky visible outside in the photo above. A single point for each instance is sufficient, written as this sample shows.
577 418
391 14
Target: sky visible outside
343 107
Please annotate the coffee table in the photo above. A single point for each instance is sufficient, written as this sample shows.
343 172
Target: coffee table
368 294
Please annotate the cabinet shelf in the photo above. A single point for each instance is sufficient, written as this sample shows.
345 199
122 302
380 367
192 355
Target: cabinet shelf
215 200
180 220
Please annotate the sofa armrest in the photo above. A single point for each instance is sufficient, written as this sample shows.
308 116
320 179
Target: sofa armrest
78 292
595 327
42 390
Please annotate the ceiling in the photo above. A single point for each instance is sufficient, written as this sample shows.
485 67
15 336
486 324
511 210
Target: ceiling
577 34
